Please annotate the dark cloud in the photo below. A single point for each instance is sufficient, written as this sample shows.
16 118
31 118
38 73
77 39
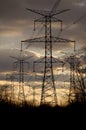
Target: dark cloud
16 24
14 16
10 9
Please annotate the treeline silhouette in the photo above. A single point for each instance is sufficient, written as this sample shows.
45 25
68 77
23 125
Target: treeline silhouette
29 116
9 107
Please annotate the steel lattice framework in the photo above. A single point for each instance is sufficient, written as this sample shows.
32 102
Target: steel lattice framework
48 93
74 64
20 63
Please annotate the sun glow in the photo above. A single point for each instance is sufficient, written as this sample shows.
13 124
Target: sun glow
31 91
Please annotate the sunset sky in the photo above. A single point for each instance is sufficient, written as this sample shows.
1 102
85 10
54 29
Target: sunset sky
16 24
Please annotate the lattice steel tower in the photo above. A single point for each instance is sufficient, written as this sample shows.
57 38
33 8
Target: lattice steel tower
20 64
48 93
74 64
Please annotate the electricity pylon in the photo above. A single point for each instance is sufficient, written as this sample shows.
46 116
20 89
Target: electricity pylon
75 76
20 64
48 93
74 63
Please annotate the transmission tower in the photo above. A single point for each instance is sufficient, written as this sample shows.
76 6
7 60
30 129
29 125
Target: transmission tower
48 94
73 61
77 85
76 79
20 63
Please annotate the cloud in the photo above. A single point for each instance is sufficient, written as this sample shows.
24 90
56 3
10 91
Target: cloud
16 24
16 20
80 3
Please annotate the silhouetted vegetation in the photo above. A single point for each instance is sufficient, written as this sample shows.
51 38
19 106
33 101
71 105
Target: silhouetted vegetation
8 107
29 116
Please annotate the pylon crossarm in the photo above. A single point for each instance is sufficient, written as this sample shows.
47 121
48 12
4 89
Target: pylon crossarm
48 13
42 19
40 12
55 60
41 60
54 39
16 58
40 39
59 11
20 58
58 39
